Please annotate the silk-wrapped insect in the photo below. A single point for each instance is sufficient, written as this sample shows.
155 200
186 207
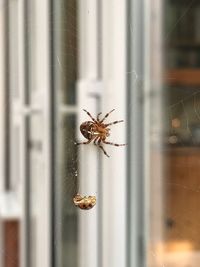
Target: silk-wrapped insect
84 202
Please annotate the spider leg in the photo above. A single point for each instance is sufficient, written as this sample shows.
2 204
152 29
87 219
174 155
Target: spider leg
101 147
105 153
83 143
98 116
107 115
112 144
88 113
95 140
114 122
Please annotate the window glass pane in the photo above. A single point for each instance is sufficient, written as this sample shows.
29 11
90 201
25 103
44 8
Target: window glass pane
65 49
15 155
181 180
32 50
36 51
13 47
34 58
66 174
66 231
174 172
37 189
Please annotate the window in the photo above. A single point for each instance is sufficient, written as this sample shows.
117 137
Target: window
140 58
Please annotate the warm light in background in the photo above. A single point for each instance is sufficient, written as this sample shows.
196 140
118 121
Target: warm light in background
176 123
177 246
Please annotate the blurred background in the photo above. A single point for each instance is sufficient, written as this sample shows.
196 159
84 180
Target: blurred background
141 57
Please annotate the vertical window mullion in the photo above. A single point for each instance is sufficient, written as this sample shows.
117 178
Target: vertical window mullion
24 133
135 70
7 99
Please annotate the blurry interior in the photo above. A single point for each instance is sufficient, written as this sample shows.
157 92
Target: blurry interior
181 102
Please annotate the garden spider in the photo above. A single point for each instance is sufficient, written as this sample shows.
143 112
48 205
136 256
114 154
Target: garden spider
97 131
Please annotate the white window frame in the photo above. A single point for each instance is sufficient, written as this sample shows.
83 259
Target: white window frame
41 106
102 87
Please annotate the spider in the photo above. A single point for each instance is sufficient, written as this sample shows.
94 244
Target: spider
84 203
97 131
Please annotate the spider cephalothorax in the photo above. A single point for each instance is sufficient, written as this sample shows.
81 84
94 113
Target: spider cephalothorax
97 131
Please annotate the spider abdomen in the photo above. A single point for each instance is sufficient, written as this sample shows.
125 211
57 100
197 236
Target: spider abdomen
87 129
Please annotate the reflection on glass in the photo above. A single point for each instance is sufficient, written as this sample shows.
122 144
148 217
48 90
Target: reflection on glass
183 108
183 37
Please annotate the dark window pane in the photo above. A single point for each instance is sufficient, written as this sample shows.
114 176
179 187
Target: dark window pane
65 49
66 228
